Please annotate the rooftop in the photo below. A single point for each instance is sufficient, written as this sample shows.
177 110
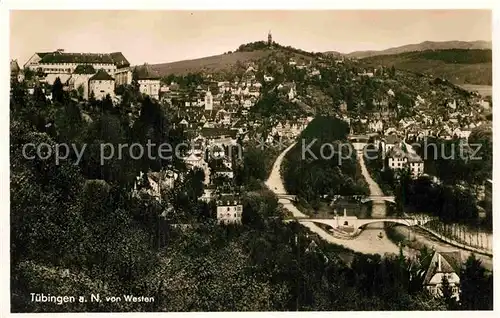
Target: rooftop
450 263
218 132
145 72
115 58
85 69
228 199
101 75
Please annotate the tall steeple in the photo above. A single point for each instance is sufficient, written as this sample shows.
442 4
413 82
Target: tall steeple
269 39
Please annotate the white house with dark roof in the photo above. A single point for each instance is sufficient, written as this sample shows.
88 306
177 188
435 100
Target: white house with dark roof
400 159
101 84
148 79
229 209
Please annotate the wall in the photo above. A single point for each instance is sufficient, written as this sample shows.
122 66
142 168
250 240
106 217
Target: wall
150 87
229 214
101 88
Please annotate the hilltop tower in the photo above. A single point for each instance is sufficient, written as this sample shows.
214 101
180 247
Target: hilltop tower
269 39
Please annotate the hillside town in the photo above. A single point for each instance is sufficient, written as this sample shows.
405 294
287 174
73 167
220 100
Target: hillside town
265 106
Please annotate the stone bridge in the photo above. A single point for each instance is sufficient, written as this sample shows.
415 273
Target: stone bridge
284 196
387 198
358 223
364 198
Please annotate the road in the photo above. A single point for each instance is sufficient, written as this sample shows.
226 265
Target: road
379 207
367 242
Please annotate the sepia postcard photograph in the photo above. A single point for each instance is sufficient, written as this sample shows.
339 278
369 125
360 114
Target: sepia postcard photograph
250 160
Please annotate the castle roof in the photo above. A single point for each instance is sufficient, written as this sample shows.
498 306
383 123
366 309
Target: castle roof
101 75
115 58
146 72
84 69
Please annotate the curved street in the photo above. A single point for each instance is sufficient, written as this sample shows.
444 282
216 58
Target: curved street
367 242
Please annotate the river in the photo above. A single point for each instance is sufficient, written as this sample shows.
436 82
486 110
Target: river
368 241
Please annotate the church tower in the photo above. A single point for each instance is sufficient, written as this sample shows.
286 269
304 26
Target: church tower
209 100
269 39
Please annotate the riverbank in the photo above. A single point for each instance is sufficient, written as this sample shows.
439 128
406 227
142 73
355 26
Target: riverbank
416 238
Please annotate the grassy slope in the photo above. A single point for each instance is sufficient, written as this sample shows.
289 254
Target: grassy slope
211 63
459 73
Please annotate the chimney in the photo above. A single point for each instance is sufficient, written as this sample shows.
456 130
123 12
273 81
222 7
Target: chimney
345 212
439 262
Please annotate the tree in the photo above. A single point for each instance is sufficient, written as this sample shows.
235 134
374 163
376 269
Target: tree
392 71
57 91
80 90
28 73
476 286
447 294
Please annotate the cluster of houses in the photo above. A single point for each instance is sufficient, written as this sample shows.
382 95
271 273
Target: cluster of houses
443 114
207 146
312 71
459 119
242 93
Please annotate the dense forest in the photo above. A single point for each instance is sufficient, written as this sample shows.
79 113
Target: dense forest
262 45
323 162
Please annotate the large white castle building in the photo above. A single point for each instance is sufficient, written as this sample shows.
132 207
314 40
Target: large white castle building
61 64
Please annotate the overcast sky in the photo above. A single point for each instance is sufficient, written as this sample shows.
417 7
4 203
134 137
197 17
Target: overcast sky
165 36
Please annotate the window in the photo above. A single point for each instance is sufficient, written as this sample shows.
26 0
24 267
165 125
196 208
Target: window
228 208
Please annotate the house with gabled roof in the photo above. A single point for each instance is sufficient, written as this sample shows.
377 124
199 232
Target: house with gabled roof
443 264
399 158
148 80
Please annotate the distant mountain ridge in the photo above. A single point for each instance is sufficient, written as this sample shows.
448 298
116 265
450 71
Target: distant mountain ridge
424 46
